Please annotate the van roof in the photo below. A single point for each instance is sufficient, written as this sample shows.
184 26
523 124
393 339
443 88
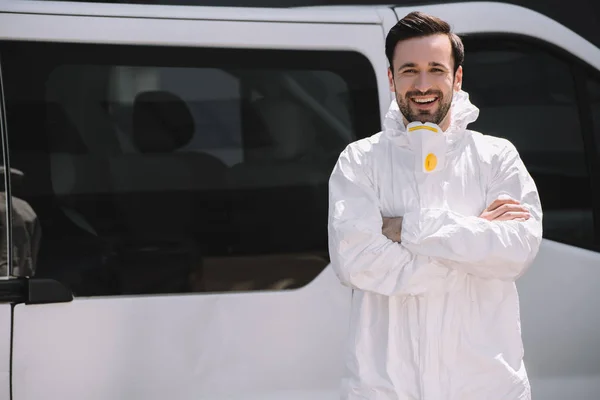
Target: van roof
338 14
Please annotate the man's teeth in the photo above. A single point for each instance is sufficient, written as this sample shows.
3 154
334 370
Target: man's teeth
426 100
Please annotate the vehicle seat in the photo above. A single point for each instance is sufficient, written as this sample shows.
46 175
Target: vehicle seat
280 180
165 196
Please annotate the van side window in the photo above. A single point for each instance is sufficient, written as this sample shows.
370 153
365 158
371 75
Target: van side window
593 98
176 170
593 86
527 95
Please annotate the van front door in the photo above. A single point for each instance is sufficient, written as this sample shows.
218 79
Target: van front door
178 161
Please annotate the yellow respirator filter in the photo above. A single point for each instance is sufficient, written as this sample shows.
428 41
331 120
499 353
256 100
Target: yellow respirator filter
430 162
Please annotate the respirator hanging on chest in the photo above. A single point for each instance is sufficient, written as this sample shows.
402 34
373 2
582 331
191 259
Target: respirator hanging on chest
429 145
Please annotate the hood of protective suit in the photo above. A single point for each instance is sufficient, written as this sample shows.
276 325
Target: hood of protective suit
436 315
462 113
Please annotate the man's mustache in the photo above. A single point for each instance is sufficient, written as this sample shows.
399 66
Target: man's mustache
416 93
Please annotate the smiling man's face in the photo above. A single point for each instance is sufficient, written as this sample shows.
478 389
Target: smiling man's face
424 80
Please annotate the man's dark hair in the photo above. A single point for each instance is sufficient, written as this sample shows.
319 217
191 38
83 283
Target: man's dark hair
418 24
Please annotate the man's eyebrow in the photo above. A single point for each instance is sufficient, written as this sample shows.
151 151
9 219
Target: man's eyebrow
407 65
413 65
437 64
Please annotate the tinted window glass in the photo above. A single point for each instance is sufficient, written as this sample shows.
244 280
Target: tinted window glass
593 86
527 95
168 170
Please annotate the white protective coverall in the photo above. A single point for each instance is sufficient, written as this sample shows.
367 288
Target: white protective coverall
435 317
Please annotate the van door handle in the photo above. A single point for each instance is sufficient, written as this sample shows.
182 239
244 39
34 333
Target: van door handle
34 291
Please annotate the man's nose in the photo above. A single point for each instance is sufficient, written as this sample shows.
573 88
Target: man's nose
422 83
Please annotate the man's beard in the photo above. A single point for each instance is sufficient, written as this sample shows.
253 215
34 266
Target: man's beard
424 115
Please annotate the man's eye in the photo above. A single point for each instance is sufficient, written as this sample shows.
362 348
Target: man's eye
409 71
437 70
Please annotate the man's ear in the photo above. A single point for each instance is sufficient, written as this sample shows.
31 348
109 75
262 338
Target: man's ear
458 77
391 80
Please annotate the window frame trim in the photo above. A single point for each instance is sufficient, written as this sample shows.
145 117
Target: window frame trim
7 184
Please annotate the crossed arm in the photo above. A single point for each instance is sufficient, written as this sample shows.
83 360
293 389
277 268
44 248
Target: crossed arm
419 252
501 209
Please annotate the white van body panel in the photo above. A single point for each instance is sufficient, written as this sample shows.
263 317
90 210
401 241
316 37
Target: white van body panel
561 328
269 345
5 343
358 15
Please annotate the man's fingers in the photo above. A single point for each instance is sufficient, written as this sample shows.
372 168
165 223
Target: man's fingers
500 202
507 208
509 216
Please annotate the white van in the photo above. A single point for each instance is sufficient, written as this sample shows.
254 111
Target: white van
176 159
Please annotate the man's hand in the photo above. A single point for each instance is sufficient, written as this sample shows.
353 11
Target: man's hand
392 228
505 209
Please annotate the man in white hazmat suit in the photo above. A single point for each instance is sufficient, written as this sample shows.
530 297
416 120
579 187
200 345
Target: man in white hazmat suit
431 224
